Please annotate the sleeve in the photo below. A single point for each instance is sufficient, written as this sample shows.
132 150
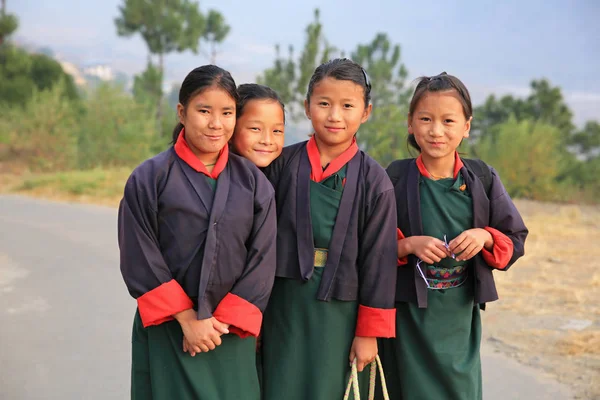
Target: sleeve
242 308
506 227
144 270
400 236
378 258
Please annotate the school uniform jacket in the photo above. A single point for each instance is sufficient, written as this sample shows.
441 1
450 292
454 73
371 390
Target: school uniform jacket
496 214
184 245
363 250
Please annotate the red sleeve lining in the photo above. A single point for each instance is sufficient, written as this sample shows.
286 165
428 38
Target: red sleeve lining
376 322
502 250
400 236
160 304
244 317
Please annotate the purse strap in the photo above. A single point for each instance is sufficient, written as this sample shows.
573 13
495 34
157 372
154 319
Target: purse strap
353 381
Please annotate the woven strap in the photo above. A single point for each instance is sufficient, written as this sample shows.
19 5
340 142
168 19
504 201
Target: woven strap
353 381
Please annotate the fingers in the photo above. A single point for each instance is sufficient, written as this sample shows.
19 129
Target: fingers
469 252
217 340
458 244
204 347
194 350
360 365
352 355
220 327
185 348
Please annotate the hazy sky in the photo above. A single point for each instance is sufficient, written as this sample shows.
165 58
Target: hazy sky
493 46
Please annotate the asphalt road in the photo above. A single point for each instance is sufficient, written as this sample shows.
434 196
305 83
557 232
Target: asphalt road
65 314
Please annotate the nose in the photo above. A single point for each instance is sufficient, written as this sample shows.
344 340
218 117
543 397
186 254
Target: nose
266 138
334 114
215 122
437 129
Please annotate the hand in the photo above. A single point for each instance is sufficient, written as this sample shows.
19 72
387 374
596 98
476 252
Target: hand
364 349
470 242
429 249
201 335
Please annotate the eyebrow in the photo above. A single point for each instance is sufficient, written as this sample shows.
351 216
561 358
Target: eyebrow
346 99
257 121
201 105
429 112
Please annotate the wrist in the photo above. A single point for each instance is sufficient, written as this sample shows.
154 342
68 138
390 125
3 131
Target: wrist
185 316
489 241
407 245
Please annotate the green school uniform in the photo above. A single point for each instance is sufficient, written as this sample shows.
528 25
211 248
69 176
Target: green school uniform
435 354
306 342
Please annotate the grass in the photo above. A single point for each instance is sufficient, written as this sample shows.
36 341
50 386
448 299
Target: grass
557 281
97 186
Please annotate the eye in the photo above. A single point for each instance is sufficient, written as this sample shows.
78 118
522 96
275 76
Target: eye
448 121
278 132
348 105
323 103
228 113
254 129
203 111
425 119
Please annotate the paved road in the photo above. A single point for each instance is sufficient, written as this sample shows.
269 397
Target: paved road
65 314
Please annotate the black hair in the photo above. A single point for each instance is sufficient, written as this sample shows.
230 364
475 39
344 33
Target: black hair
253 91
439 83
342 69
198 80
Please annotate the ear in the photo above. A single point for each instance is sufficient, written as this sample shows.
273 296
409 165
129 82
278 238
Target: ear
306 108
366 114
180 113
409 123
467 128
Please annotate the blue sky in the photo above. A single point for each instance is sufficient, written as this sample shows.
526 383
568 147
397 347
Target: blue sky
493 46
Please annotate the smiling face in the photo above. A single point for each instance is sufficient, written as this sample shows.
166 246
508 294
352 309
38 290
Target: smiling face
259 132
336 109
438 124
209 120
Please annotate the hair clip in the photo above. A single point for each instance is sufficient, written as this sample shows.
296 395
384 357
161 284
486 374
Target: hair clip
367 80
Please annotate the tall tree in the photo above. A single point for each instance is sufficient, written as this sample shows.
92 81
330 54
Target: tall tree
545 104
384 136
165 25
8 23
215 32
587 140
290 79
147 86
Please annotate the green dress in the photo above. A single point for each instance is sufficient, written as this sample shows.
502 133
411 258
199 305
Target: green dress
160 369
306 342
435 354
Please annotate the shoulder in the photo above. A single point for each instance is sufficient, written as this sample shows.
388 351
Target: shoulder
398 169
376 179
152 171
292 151
244 171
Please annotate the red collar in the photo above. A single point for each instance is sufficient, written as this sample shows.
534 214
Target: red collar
317 174
186 154
458 164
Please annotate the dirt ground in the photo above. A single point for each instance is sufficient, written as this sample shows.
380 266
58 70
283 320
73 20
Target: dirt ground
548 315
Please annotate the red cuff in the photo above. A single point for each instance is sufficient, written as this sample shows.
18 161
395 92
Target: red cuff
244 317
160 304
400 236
376 322
502 251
